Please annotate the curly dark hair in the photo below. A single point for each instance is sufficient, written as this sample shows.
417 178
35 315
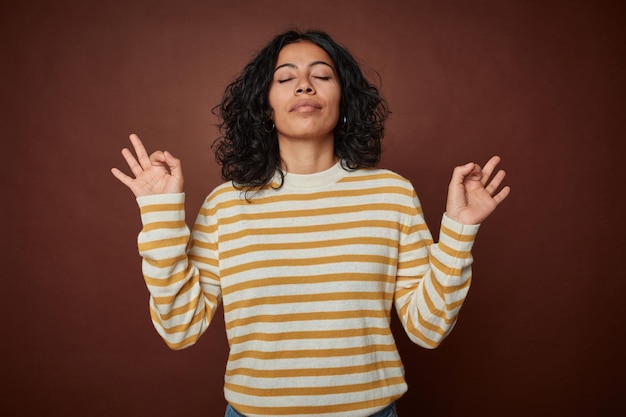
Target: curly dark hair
248 149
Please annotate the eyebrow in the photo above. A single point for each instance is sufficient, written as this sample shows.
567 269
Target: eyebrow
312 64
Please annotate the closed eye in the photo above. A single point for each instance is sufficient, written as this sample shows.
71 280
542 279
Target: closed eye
284 80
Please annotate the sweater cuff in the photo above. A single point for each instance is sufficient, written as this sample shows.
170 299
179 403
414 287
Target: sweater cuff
160 199
161 207
456 235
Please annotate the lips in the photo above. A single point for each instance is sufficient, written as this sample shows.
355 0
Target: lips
306 105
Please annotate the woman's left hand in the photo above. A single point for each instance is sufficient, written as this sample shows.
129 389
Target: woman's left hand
472 193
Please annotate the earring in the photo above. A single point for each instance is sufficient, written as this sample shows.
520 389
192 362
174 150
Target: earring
270 129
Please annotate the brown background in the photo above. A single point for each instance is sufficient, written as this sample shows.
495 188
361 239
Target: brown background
540 83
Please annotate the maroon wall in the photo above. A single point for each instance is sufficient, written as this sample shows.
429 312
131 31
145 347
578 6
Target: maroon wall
540 83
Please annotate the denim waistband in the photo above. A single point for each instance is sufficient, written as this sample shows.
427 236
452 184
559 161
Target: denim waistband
389 411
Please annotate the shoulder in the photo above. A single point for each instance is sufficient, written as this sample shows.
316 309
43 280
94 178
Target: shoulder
377 177
225 193
379 185
228 194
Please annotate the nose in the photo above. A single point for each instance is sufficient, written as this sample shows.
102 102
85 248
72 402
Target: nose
304 87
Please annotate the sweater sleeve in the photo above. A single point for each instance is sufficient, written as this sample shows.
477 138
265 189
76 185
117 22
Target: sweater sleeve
433 279
179 268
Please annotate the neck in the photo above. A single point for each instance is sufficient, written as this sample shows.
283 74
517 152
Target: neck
306 156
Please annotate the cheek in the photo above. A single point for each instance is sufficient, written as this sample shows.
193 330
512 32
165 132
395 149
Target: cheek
337 99
337 107
270 102
275 104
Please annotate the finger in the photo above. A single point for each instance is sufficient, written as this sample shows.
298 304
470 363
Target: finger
140 151
495 182
489 167
123 178
133 164
504 193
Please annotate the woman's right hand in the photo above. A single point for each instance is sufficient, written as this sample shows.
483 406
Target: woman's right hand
159 173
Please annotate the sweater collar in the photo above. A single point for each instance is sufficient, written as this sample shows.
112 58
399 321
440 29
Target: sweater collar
316 180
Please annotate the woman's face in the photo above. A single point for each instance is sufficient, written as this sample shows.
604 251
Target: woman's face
304 94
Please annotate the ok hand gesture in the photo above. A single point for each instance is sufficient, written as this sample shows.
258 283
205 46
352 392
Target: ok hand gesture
472 193
159 173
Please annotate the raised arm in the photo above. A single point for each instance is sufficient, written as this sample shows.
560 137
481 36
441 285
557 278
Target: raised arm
183 294
434 278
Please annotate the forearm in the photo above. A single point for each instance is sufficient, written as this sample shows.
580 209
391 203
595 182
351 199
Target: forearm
177 303
429 301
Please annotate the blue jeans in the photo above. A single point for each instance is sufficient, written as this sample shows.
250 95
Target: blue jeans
389 411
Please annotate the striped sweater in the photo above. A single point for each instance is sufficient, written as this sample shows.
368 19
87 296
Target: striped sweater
307 274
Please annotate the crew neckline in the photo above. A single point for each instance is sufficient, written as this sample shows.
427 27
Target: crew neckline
315 180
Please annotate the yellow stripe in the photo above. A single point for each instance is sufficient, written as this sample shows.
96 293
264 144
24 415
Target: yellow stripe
177 224
436 285
455 304
411 328
163 243
309 245
203 260
306 298
325 227
186 287
186 342
308 335
432 309
446 270
368 177
429 326
457 236
209 211
449 289
454 252
312 353
415 263
165 282
314 316
416 228
162 207
311 212
416 246
178 311
309 279
164 263
331 390
204 244
313 372
206 274
276 263
180 328
222 190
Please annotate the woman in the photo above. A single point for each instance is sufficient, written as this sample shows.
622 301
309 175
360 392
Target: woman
307 245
